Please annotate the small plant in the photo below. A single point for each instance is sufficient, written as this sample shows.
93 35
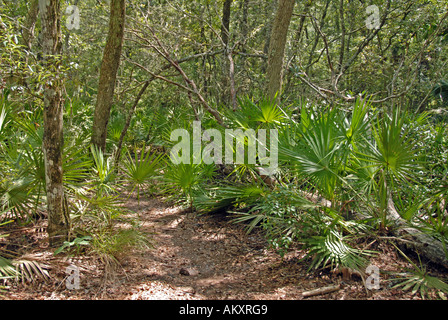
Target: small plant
110 244
331 249
140 169
104 172
418 280
183 181
75 245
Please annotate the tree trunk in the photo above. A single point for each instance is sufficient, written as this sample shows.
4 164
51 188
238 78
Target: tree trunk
277 46
58 221
108 73
30 23
419 242
225 28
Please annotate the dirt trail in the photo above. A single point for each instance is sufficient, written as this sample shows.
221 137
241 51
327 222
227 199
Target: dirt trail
193 258
207 258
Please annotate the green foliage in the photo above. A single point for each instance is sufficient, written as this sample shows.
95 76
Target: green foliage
182 181
110 244
317 155
338 156
75 245
392 152
223 197
440 91
331 249
141 169
253 115
418 280
104 172
285 215
7 269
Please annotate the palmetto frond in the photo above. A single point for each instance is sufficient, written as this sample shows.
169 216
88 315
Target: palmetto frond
104 172
318 154
23 269
7 269
140 169
230 195
331 249
419 280
265 113
391 152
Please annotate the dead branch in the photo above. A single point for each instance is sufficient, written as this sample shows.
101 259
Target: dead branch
321 291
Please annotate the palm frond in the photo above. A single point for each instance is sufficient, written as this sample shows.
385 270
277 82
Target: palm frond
3 121
391 150
28 270
317 155
104 171
332 250
419 280
7 269
242 196
139 170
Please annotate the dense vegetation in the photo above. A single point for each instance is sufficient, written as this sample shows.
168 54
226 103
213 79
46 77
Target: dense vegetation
360 116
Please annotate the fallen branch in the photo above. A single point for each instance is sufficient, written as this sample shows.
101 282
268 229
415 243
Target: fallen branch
421 243
321 291
412 238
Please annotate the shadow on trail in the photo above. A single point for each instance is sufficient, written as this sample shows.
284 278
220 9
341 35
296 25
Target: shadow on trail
210 257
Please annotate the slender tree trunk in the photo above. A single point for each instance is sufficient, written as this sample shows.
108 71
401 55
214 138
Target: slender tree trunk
108 73
30 23
225 26
277 46
129 119
58 221
225 31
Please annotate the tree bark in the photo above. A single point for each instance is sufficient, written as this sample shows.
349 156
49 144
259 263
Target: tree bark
415 240
274 72
225 28
419 242
30 23
108 73
58 221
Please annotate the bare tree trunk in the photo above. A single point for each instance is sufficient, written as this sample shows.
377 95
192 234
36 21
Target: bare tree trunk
30 23
277 46
129 119
225 28
58 221
108 73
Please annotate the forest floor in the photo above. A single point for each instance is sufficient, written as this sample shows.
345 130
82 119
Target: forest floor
192 258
